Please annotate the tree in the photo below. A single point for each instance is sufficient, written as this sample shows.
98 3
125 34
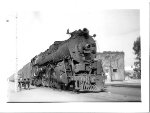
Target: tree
137 52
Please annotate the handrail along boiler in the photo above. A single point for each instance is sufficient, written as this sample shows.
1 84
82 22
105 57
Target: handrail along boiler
70 64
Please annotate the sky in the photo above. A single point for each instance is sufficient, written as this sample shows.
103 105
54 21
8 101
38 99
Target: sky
36 30
116 30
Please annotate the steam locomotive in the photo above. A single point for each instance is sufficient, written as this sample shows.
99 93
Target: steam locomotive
69 64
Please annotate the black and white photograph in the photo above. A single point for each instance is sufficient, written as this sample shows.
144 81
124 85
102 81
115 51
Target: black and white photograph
105 66
75 53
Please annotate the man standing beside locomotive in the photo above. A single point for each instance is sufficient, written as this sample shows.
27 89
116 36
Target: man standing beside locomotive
28 83
20 83
24 83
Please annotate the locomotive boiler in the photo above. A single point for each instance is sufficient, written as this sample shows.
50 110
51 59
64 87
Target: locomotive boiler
70 64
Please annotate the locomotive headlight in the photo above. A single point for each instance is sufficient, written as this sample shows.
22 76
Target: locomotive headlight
87 46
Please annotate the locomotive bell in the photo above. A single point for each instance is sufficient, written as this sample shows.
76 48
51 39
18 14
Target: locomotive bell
94 35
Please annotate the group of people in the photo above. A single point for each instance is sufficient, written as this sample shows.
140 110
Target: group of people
24 83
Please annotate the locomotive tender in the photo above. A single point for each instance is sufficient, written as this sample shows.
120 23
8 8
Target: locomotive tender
70 64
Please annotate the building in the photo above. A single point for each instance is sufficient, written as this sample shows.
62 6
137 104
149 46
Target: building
113 65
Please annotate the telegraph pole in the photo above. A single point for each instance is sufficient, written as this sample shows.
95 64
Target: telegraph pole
110 67
16 74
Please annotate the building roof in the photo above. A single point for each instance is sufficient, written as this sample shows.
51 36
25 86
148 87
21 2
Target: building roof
110 52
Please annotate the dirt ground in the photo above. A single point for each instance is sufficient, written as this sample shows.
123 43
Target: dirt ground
44 94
